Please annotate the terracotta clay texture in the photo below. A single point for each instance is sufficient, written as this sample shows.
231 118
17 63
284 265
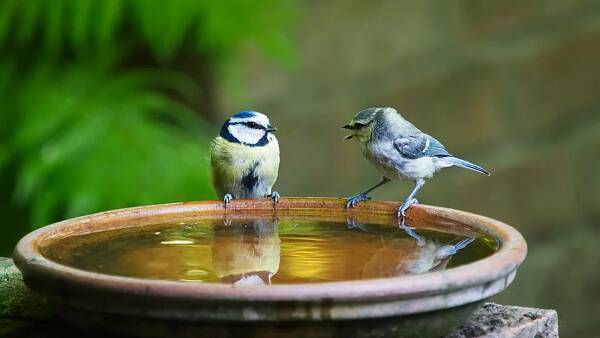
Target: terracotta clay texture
399 304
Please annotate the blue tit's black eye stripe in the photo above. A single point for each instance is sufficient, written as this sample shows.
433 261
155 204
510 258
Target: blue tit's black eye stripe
252 125
249 124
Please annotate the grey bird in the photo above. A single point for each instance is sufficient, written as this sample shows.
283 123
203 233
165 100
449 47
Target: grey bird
399 150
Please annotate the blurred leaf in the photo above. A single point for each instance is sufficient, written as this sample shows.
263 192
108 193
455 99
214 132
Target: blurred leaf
7 8
28 20
80 29
93 141
108 14
52 27
164 25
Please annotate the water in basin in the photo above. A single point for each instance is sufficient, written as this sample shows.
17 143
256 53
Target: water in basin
266 251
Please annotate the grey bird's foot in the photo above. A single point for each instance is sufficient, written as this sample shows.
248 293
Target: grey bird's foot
354 200
405 206
226 200
274 196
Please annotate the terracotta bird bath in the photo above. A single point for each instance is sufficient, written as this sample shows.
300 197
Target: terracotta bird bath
427 304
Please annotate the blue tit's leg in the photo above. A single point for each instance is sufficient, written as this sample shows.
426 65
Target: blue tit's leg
274 196
411 232
227 199
410 200
354 200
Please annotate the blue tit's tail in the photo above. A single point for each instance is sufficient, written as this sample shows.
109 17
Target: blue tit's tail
466 164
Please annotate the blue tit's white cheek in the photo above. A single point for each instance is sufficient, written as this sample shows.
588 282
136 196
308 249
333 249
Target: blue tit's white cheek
246 134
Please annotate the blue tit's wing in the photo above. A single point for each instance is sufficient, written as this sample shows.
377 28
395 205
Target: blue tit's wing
420 145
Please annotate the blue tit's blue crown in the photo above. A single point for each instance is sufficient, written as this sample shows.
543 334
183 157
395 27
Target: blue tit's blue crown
245 114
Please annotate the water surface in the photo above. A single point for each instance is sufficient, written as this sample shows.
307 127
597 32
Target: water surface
265 251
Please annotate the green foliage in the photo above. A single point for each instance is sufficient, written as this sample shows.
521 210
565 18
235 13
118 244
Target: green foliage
217 28
87 125
95 140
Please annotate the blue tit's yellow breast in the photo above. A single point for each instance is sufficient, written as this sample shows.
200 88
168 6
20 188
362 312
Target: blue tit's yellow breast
231 162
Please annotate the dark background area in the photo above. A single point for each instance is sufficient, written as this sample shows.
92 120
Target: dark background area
110 104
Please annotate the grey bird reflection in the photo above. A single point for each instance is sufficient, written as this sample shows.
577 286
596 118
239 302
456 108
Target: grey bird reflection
431 256
246 252
403 256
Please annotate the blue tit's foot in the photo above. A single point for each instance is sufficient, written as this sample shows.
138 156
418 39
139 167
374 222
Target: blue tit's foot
274 196
354 200
411 232
405 206
226 200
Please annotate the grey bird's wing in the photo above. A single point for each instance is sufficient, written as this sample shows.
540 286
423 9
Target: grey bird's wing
420 145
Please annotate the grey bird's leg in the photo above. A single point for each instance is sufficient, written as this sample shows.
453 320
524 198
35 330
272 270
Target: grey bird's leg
410 200
227 199
354 200
274 196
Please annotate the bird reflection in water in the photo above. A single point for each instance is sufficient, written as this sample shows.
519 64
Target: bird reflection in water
261 252
246 252
407 256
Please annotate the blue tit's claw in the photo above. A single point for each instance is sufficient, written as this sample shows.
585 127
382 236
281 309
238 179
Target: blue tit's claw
226 200
275 196
354 200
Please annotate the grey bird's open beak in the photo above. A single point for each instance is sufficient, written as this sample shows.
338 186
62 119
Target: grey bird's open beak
347 137
271 129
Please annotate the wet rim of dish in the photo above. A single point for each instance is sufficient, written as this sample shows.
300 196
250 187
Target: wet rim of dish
497 266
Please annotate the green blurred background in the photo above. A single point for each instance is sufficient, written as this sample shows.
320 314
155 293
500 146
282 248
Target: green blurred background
108 104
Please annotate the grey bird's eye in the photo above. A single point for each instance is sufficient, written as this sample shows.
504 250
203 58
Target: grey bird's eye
253 125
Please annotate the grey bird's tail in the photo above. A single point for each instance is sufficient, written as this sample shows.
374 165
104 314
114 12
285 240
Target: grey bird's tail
466 164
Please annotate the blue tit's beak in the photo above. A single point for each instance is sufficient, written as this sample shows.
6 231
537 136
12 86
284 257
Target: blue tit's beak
271 129
347 137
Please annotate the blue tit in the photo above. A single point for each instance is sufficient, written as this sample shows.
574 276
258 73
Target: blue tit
399 150
244 158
